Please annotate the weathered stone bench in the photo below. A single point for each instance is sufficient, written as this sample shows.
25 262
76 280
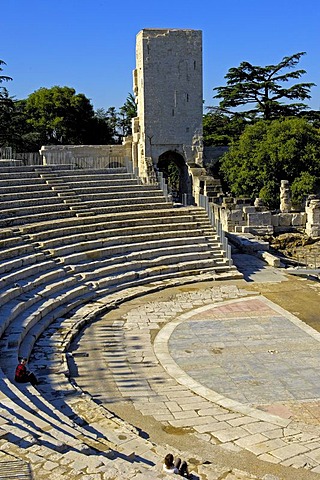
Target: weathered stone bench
173 230
16 190
128 186
74 225
36 315
41 193
33 209
35 218
31 420
21 261
24 203
121 245
21 181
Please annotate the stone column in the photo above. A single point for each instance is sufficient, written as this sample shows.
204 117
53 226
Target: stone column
285 197
313 218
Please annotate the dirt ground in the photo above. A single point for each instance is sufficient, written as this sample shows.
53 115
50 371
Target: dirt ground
296 247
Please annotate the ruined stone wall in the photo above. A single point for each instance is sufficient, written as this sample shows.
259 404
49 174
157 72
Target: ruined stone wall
88 156
168 89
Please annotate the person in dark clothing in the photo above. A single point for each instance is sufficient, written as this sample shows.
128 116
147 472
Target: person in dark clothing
23 375
178 467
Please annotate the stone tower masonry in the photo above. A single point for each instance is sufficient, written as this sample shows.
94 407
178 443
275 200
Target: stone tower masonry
168 90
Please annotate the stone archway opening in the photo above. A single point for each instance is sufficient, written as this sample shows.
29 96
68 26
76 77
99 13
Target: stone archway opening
175 171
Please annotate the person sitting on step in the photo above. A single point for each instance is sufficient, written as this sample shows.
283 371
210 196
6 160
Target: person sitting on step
178 467
22 375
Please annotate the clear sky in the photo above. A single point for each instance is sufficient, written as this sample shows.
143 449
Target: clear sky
90 44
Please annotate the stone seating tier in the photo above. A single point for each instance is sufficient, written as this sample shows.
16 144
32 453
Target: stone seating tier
151 232
52 261
6 167
35 421
74 225
46 216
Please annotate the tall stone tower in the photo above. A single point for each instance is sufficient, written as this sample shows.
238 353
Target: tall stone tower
168 91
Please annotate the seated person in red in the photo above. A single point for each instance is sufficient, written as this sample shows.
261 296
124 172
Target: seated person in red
22 375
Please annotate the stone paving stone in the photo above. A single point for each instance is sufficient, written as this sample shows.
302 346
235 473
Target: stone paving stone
231 433
264 447
189 422
240 421
283 453
208 427
277 433
173 406
266 457
226 417
231 446
315 455
300 461
250 440
49 465
259 427
189 414
212 410
165 417
193 406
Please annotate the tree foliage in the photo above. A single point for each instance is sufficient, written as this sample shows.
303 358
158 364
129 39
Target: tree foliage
220 129
268 152
264 87
7 111
127 112
3 78
60 116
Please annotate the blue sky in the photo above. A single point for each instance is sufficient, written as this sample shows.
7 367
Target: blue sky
90 44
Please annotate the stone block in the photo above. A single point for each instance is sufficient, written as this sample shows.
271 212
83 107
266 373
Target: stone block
270 259
234 215
285 219
298 219
259 218
313 231
243 201
248 209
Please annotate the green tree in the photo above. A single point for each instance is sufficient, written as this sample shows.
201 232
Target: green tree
264 87
60 116
3 78
304 185
268 152
111 118
220 129
6 109
120 121
127 112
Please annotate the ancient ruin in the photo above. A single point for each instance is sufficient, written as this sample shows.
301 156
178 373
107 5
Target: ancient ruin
167 133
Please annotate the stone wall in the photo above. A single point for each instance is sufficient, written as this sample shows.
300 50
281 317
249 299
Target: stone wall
245 218
168 89
88 156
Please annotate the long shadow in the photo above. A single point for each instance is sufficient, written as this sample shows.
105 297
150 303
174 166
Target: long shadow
33 428
248 265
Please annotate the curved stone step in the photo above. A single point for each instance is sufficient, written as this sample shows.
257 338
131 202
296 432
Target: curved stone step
28 307
95 225
14 263
173 230
23 273
61 223
36 218
110 247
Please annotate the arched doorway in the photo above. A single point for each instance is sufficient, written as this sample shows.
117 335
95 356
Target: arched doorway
175 171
